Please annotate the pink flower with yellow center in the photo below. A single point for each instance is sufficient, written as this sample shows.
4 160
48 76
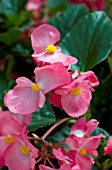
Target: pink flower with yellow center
43 40
20 154
27 97
81 147
75 97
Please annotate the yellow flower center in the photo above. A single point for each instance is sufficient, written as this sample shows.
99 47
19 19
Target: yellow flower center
35 87
83 151
8 139
50 48
76 91
24 150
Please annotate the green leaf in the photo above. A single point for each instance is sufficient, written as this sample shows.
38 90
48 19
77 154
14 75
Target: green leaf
21 20
12 6
89 41
42 117
11 36
98 131
68 18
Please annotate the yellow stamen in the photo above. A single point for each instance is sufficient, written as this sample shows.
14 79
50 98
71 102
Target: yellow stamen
83 151
35 87
24 150
76 91
50 48
8 139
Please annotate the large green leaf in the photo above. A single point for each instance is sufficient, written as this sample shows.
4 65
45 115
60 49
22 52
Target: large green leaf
11 36
68 18
12 6
89 41
42 117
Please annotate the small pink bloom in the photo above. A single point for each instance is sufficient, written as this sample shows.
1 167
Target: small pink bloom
43 43
75 97
82 147
8 127
93 5
27 96
82 128
108 148
21 153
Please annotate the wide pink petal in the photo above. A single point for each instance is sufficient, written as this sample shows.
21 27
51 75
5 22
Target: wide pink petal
72 143
51 76
43 36
41 99
14 159
84 162
79 125
56 57
3 147
91 126
23 120
22 100
76 106
10 126
55 99
23 82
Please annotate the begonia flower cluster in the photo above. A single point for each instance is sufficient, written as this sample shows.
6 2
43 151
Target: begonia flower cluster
71 91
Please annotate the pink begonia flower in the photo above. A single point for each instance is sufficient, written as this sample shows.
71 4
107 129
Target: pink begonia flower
23 120
75 97
8 126
82 128
43 42
108 148
82 147
27 97
93 5
20 154
63 167
35 6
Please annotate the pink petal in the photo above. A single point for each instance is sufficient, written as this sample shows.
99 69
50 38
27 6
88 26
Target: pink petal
22 100
14 159
43 36
108 148
10 126
78 125
55 99
84 162
23 120
43 167
51 76
23 82
76 106
56 57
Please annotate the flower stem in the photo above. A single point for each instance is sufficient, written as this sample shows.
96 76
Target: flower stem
55 126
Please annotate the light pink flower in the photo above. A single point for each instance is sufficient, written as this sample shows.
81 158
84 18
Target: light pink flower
75 97
8 127
108 148
43 43
93 5
20 154
27 96
82 128
82 147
